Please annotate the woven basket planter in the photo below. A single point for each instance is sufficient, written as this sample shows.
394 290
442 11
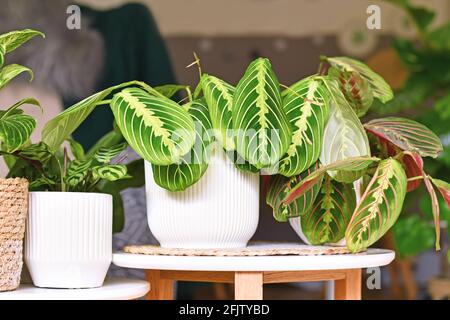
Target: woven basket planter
13 213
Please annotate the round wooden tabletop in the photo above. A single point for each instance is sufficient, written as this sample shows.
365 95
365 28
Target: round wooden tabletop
368 259
113 289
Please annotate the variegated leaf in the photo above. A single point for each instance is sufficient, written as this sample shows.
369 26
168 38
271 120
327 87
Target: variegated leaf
77 172
38 183
59 129
355 89
9 72
379 207
444 189
106 154
280 186
38 152
157 128
344 135
306 105
14 39
219 97
345 165
179 176
15 130
262 129
111 172
381 90
407 135
328 218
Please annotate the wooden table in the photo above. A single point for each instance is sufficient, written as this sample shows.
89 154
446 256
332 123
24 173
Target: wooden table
250 273
113 289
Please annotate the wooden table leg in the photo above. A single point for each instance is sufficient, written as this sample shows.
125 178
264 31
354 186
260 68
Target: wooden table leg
160 289
248 286
348 288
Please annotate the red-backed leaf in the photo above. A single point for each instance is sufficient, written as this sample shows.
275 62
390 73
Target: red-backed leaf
444 189
302 189
280 186
435 209
413 164
346 165
406 134
411 161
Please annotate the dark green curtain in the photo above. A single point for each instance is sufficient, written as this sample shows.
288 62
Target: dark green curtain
134 50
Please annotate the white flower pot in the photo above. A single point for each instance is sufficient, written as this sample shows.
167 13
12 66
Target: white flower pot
220 211
68 240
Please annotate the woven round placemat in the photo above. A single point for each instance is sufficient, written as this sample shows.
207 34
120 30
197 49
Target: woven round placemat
13 213
253 249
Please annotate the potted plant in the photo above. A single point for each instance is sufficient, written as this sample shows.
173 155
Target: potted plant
177 142
70 225
15 130
353 189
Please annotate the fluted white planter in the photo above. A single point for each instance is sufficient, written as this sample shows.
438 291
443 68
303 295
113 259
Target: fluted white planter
68 240
219 211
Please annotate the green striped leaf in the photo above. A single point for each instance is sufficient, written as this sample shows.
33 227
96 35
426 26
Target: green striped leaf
15 127
280 186
111 172
344 135
59 129
356 90
38 152
179 176
77 172
379 207
306 105
262 129
106 154
346 165
12 40
328 218
219 97
380 88
15 130
157 128
407 135
9 72
109 140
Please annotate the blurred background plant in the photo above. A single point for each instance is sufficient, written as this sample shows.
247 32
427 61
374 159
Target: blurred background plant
424 95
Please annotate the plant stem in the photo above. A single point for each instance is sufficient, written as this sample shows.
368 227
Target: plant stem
414 178
103 102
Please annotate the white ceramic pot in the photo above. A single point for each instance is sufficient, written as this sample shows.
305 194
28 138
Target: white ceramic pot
220 211
68 240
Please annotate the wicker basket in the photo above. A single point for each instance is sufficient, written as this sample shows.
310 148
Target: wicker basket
13 213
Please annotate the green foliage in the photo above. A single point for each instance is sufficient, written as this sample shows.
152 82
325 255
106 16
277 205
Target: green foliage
15 127
379 207
412 235
262 127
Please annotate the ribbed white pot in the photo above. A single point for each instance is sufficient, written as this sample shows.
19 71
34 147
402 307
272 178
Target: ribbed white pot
220 211
68 240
